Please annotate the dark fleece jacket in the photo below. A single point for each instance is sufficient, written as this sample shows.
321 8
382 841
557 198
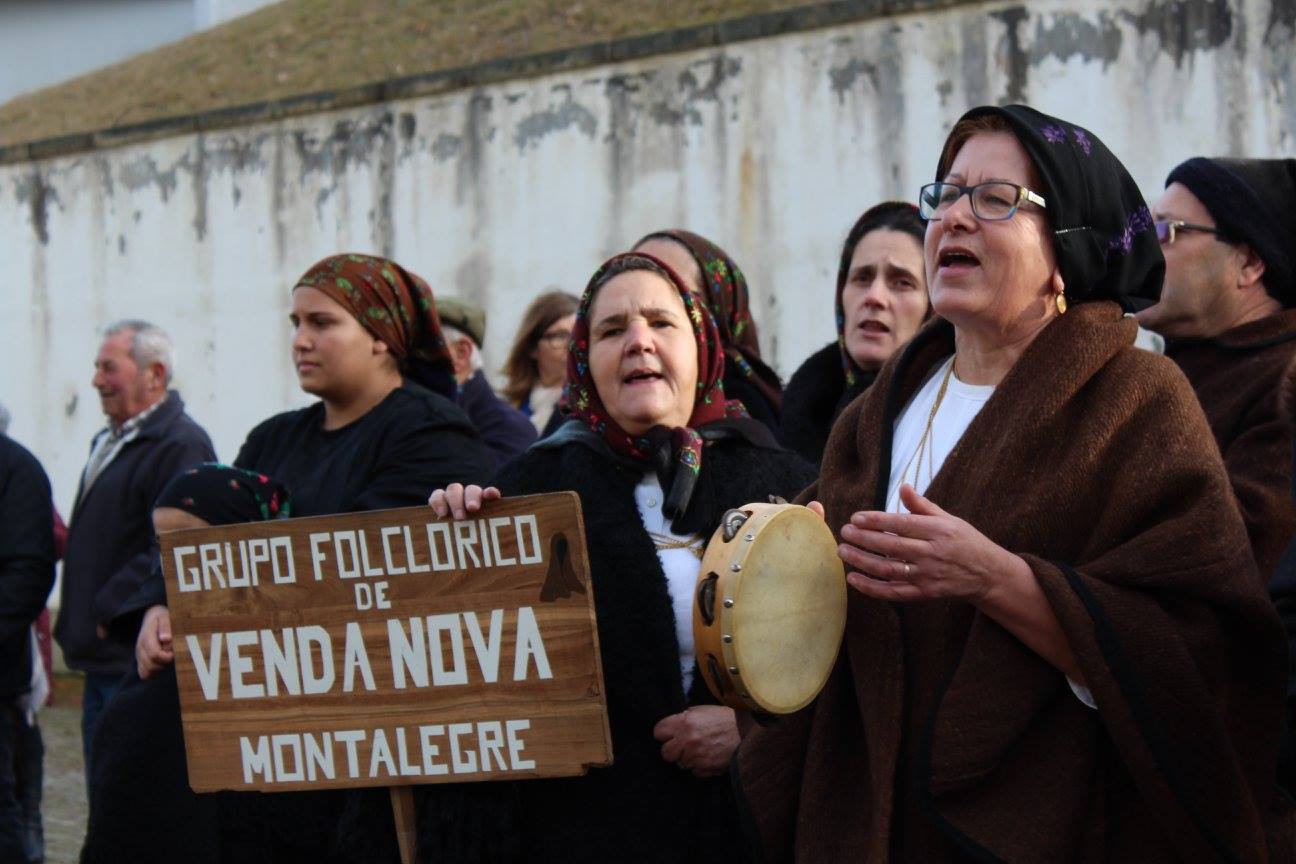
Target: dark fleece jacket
813 399
26 560
641 809
1236 377
940 737
110 545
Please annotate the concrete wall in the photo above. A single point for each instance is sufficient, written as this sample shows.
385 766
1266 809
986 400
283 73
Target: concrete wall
771 147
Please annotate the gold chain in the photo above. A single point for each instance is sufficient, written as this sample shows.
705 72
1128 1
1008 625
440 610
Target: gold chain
665 541
923 442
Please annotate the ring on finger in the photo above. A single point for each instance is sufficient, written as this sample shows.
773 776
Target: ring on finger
908 569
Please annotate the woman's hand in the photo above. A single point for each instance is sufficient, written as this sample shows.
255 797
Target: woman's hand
700 739
927 553
922 555
458 501
153 645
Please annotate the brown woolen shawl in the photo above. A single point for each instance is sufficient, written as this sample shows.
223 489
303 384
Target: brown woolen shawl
1110 487
1093 461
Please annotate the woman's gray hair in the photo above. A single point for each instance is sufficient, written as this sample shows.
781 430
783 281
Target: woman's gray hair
4 420
149 343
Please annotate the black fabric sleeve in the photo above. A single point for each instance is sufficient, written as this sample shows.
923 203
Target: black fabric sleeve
421 457
250 453
26 545
175 456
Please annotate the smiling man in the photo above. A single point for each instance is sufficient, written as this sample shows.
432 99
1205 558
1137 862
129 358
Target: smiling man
1227 228
110 547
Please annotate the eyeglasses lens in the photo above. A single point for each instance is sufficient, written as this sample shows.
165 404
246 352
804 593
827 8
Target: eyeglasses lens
1165 232
994 200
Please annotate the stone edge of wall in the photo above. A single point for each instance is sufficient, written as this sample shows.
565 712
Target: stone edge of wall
766 24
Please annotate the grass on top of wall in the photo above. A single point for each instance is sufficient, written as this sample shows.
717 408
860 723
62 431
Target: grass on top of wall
305 46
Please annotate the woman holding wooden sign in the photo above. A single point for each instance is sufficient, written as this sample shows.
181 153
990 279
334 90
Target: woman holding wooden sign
657 454
367 342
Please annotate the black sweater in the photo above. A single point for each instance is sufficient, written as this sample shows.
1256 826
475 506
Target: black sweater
641 809
26 560
412 442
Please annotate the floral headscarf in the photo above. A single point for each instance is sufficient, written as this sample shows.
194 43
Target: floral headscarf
676 454
224 495
724 290
394 305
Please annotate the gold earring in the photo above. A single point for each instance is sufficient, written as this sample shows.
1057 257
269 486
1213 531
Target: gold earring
1060 299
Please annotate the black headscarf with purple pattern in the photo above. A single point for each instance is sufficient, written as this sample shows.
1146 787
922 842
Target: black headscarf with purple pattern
1103 236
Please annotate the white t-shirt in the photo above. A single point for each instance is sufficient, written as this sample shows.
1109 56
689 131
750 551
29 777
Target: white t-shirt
681 566
956 412
961 404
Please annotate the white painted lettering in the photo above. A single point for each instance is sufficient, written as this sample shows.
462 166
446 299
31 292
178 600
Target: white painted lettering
495 524
463 761
317 539
281 662
256 761
515 745
408 654
315 680
441 530
355 657
187 576
208 669
487 650
239 665
458 673
529 646
387 534
533 532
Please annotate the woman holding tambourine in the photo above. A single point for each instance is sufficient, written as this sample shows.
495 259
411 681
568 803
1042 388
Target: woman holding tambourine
658 457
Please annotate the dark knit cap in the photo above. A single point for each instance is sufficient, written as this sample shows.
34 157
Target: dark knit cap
1253 201
225 495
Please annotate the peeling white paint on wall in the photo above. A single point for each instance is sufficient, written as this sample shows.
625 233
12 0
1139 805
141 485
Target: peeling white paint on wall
771 148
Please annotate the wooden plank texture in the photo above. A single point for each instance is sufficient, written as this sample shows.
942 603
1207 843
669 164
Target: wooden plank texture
388 648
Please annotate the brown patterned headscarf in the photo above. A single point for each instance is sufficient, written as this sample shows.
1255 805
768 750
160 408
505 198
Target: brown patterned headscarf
393 305
724 291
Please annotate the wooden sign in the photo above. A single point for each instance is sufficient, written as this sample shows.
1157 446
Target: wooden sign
388 648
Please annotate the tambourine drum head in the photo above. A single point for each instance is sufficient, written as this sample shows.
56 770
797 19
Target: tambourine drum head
790 609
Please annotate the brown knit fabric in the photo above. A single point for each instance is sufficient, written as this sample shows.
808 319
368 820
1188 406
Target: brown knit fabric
941 737
1237 378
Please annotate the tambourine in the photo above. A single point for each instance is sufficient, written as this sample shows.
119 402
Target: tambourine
770 608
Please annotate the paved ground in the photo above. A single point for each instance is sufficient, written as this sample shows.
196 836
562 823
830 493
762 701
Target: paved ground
64 807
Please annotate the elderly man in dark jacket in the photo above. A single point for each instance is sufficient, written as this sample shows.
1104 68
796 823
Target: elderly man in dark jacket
26 576
1227 311
504 430
111 547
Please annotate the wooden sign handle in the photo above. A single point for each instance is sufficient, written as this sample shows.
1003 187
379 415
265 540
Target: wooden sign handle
402 799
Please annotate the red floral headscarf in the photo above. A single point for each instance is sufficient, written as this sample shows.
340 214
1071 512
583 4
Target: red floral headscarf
709 406
394 305
724 291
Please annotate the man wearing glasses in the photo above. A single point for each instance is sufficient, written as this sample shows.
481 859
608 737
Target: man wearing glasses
1228 231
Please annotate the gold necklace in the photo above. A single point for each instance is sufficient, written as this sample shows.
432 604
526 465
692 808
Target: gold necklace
665 541
923 442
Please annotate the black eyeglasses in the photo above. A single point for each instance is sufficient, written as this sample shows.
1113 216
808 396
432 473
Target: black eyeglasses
994 201
1168 229
554 338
